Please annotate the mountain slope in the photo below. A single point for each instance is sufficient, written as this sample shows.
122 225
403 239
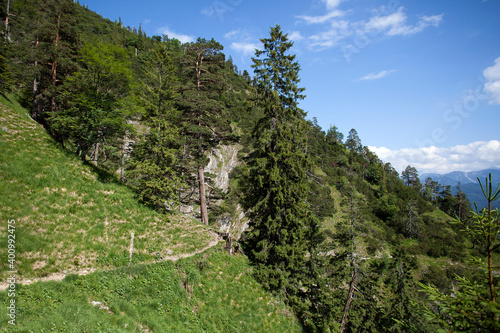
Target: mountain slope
72 218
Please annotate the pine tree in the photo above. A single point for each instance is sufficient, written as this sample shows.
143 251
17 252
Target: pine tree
431 189
410 177
282 228
203 123
353 141
55 42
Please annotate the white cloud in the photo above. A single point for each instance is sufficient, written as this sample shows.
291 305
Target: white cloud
231 33
237 33
295 36
472 157
242 41
376 76
320 19
182 38
245 48
396 24
338 31
382 23
430 21
331 4
387 22
492 85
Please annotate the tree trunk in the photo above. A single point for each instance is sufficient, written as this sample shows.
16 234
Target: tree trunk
82 150
201 176
96 153
354 272
490 250
34 107
6 36
490 276
203 204
54 64
349 300
122 161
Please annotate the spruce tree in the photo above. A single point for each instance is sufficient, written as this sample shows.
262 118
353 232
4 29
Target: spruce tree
282 229
155 155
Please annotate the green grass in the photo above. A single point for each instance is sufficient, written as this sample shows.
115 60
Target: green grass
71 216
210 292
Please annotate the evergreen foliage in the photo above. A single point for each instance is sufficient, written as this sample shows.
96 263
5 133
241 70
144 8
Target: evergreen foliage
410 177
282 229
473 305
155 157
203 124
5 79
56 44
353 141
333 135
336 233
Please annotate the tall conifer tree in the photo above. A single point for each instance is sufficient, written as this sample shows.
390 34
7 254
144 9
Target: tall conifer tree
55 52
282 228
155 155
203 123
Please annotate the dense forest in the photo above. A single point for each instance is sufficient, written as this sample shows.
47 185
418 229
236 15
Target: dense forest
344 240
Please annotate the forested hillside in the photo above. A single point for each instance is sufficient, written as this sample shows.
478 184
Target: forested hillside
466 182
172 144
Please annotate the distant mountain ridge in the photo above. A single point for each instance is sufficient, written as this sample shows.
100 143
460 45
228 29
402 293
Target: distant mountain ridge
468 183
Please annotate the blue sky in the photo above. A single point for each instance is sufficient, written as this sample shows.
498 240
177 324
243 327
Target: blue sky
419 80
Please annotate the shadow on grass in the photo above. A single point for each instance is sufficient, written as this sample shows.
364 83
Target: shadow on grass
104 176
68 149
5 96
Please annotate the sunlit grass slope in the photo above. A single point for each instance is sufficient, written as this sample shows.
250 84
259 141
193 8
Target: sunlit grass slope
71 217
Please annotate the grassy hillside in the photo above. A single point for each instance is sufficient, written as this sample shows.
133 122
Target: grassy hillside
72 218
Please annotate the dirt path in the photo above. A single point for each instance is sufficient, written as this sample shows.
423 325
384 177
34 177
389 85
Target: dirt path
60 276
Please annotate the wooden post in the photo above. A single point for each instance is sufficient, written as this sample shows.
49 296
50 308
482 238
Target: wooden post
131 247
